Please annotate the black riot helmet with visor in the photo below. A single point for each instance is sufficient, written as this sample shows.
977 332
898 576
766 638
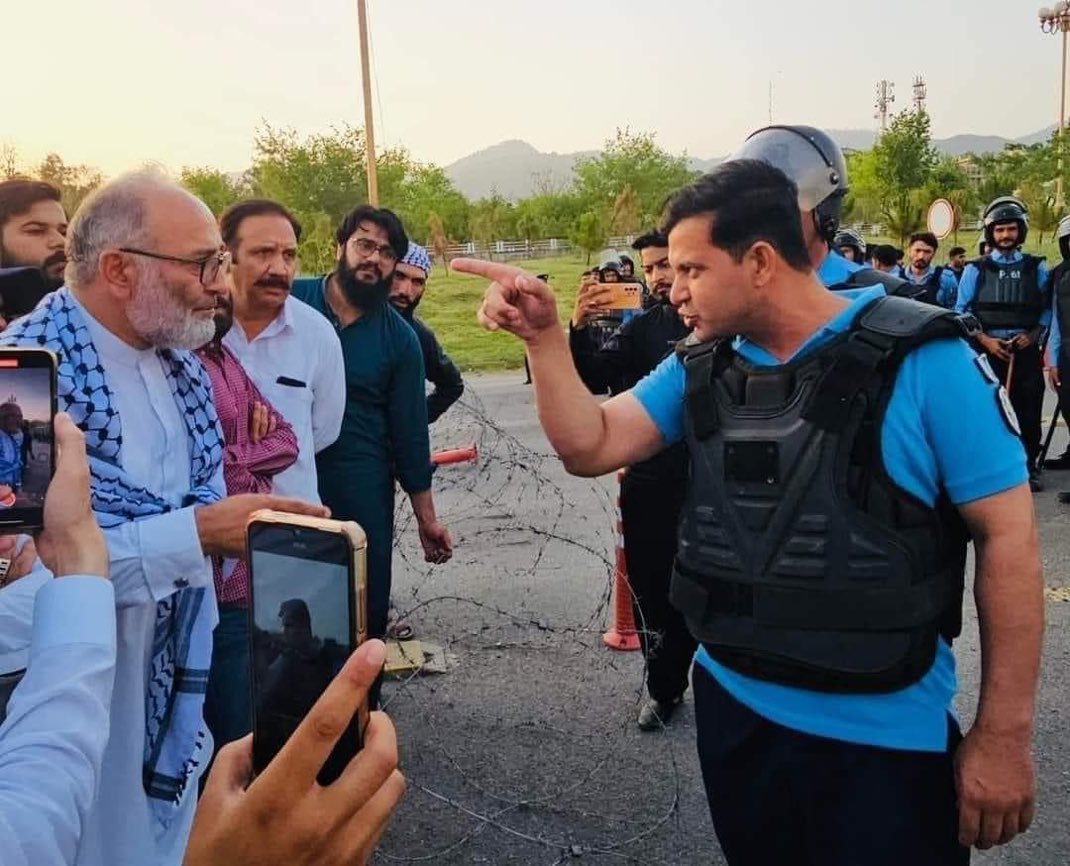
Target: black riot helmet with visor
1006 209
813 161
853 240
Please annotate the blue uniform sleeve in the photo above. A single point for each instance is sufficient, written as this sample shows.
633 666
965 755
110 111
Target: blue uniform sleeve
661 394
949 426
408 413
1044 279
967 290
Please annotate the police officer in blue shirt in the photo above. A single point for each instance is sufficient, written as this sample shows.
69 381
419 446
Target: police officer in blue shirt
851 245
1009 292
938 284
816 165
835 448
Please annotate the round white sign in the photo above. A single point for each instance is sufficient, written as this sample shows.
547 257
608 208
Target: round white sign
941 218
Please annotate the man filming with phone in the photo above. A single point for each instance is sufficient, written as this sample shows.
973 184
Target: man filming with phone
146 267
58 718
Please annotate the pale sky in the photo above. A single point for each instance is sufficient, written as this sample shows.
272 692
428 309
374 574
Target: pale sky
115 83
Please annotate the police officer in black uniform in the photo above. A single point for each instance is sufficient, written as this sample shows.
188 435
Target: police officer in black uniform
1010 293
652 492
835 444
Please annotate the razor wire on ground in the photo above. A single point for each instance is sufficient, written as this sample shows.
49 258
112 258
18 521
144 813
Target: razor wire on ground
506 754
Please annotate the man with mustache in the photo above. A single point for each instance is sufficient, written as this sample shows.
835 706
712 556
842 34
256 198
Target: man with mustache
652 492
1010 293
33 230
259 445
406 292
289 352
384 435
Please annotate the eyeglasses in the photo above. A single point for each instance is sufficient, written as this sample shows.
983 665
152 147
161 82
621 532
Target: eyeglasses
366 247
210 266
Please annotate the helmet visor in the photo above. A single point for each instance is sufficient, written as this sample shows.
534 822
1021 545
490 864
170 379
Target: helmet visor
799 159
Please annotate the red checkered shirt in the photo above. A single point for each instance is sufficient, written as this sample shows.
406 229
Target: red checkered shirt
248 466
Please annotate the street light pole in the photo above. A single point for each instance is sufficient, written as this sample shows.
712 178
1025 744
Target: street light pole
1057 20
369 131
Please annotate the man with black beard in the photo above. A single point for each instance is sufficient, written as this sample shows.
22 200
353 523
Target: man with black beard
652 492
406 292
384 432
33 231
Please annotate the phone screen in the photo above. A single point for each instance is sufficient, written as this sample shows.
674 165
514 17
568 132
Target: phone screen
27 454
302 633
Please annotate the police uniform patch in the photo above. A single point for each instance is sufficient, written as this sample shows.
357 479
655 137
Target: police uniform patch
1007 410
986 369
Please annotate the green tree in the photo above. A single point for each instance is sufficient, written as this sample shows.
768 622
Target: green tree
624 218
437 238
74 182
215 188
903 160
1039 199
492 219
589 234
631 159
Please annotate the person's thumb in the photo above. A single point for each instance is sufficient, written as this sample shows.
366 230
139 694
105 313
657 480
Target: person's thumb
70 441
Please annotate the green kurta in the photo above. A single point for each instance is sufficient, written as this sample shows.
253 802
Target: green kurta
384 434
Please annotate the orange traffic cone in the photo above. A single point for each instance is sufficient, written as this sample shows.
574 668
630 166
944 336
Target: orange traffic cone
622 634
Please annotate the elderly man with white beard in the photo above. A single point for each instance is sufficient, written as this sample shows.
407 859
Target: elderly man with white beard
146 266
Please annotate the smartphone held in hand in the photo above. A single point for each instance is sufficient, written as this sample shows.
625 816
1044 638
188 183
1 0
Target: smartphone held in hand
623 296
27 449
307 615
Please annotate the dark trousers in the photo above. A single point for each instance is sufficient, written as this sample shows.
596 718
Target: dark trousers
1027 395
781 796
227 700
650 513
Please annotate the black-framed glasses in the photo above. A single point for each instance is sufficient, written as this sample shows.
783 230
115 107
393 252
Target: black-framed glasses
210 266
366 247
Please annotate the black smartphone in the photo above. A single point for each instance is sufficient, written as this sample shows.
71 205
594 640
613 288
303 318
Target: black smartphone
27 446
307 589
20 291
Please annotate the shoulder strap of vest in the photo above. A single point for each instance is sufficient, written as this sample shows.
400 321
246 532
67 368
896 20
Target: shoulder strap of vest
703 362
881 336
893 286
938 274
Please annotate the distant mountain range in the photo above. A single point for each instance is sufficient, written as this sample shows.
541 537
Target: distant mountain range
516 170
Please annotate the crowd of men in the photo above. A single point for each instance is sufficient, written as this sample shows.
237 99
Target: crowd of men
211 382
802 432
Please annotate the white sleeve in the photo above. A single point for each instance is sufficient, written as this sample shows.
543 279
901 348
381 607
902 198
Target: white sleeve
328 393
52 742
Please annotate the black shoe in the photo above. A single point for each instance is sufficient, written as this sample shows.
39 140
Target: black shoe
1060 462
1035 484
656 714
1064 497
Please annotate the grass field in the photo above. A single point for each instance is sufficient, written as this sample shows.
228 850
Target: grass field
450 304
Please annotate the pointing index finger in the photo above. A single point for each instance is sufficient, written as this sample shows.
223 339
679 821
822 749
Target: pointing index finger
507 275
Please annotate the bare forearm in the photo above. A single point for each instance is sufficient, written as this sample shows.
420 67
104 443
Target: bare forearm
570 415
1010 604
423 506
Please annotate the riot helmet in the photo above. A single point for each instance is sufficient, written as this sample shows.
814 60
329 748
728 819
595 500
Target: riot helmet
1063 234
1006 209
854 240
813 161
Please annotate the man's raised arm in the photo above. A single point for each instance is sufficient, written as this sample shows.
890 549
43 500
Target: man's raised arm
591 438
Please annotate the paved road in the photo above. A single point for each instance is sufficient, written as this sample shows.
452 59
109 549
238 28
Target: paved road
526 752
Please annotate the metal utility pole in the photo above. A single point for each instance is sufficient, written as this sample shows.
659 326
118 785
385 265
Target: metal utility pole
920 93
366 80
1057 20
885 97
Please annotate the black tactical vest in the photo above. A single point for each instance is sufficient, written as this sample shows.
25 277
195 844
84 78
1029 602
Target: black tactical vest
1008 293
1060 282
930 287
800 561
894 286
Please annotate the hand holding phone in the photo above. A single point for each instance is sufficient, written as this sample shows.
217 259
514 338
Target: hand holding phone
307 589
284 816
